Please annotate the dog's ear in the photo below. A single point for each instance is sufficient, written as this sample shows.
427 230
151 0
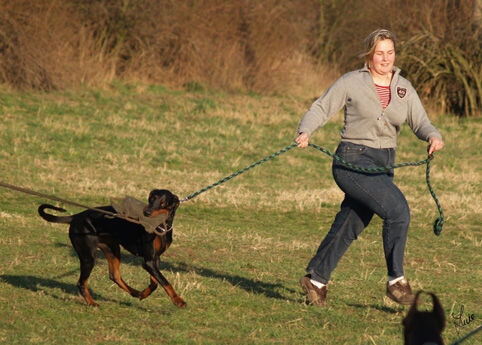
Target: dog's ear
412 312
438 312
151 194
409 321
177 202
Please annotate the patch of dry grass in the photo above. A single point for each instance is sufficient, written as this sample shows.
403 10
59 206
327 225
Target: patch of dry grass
240 247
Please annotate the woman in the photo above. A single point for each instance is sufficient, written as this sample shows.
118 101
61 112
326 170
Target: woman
376 102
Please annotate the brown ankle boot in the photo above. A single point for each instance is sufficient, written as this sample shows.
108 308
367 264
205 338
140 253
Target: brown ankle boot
401 292
316 296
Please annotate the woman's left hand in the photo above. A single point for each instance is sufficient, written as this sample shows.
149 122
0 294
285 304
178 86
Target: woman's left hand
435 145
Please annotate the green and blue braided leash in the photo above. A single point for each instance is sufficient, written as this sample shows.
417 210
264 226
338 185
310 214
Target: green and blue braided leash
438 224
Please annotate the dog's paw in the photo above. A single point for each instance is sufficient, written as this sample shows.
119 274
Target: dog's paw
179 302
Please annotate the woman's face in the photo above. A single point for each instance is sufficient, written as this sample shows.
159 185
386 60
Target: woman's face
383 57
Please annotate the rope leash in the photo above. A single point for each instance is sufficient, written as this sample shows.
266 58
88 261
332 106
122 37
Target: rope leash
227 178
160 231
438 223
437 227
31 192
467 336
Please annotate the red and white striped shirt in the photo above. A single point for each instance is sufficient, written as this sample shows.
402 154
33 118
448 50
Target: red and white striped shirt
383 94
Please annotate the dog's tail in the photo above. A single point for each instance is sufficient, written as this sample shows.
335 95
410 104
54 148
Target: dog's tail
51 218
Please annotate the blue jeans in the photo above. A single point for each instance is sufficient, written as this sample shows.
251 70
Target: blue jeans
366 194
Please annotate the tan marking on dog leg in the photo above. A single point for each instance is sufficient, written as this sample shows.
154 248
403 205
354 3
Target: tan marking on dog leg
87 296
176 299
150 289
114 273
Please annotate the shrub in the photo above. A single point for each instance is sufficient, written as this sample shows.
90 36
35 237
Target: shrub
230 45
442 53
266 47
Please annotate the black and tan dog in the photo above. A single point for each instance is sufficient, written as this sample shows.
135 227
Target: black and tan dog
424 327
93 229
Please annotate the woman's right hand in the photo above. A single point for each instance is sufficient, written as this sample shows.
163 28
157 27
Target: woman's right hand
303 140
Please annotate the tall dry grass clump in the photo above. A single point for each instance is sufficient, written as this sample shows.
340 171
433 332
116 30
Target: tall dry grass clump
442 52
343 26
440 45
267 47
232 45
45 46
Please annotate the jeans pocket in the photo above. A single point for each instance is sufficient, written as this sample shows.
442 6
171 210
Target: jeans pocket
353 154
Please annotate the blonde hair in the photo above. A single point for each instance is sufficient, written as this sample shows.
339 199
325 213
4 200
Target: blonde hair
371 42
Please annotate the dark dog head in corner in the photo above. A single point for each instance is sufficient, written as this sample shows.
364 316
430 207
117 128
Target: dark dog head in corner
424 327
161 201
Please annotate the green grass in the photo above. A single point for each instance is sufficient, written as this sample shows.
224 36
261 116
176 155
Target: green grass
240 248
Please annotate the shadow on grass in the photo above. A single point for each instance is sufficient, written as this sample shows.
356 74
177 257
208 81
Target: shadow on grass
49 286
270 290
37 284
378 307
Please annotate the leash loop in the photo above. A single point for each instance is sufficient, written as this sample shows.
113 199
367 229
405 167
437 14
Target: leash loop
439 222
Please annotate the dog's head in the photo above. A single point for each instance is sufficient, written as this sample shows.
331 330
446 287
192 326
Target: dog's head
161 201
424 327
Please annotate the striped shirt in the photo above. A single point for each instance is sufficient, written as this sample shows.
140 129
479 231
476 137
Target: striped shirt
383 94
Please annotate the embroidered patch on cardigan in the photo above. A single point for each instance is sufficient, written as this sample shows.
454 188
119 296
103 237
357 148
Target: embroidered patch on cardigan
401 92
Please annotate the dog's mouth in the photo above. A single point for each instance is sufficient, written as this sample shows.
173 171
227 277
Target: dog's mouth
148 212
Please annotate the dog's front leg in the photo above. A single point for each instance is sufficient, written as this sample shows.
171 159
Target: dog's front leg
150 289
152 267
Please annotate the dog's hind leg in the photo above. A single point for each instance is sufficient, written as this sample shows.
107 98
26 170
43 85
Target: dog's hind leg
86 266
112 254
84 291
87 257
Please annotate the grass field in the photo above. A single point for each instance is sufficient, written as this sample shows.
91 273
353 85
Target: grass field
240 248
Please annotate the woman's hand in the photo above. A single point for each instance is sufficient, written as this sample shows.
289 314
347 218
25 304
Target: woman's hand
435 145
303 140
